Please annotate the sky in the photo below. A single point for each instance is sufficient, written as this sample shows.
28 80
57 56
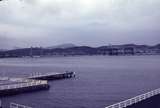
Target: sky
25 23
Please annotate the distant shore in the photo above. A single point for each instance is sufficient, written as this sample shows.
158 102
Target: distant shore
112 50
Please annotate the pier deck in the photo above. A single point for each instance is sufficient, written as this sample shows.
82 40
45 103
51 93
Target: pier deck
52 76
13 86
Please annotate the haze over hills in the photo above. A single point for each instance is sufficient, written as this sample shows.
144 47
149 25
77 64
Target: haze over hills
63 46
71 45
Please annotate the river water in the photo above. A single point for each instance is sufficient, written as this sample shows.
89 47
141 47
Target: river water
99 82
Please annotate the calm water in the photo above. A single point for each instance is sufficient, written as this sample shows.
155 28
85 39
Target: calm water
100 80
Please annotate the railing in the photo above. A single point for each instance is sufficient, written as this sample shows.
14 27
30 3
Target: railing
25 83
135 100
0 104
36 75
4 78
14 105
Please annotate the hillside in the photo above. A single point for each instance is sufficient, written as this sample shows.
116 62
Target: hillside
71 50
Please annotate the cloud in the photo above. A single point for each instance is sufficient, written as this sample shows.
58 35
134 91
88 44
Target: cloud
80 20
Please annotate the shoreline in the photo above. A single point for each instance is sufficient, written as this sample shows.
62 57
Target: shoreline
62 56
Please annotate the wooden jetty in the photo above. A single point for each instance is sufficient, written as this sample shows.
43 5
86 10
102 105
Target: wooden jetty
16 86
52 76
135 100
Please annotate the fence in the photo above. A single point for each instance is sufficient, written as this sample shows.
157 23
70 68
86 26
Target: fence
24 83
14 105
36 75
135 100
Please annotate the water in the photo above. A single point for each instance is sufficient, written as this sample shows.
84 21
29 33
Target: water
100 80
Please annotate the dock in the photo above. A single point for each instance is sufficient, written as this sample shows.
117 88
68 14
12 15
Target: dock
14 86
52 76
15 105
135 102
11 86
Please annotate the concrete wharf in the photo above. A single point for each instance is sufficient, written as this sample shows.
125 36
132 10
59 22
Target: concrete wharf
13 86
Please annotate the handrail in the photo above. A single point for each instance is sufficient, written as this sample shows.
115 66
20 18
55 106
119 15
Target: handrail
27 83
135 100
15 105
43 75
37 75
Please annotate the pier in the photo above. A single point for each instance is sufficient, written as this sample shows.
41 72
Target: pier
15 105
135 100
14 86
52 76
11 86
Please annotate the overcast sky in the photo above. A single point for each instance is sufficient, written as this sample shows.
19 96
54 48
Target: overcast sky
25 23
